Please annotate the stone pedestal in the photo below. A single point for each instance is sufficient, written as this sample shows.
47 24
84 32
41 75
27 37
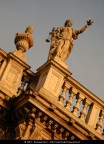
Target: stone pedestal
93 115
60 62
11 73
20 55
51 79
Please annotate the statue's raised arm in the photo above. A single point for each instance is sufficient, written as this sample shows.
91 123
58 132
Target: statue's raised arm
62 38
88 23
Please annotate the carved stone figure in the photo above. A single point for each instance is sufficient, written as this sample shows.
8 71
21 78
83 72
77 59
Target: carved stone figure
62 39
20 130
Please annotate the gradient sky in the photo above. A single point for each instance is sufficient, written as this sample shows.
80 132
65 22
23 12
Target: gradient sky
86 61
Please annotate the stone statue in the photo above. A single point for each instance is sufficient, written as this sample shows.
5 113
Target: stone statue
62 39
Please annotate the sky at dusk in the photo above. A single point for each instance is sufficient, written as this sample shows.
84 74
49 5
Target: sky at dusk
86 62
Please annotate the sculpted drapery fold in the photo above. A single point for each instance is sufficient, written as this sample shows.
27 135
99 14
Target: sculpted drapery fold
62 39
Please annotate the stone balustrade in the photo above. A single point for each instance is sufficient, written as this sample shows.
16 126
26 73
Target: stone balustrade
83 104
28 82
77 101
63 96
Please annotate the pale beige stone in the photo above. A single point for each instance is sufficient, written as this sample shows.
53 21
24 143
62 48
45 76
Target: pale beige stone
51 79
11 74
32 105
24 41
62 39
20 55
93 115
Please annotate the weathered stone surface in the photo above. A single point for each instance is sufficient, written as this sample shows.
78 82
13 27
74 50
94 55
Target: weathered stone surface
48 104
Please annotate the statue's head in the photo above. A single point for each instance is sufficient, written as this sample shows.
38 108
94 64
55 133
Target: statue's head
29 29
68 23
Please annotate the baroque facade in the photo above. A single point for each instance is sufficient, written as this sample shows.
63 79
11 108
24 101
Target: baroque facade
47 105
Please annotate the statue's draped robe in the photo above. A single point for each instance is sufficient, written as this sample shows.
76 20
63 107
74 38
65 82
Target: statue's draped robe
62 42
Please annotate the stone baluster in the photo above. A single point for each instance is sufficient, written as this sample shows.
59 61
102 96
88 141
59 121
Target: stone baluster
99 125
69 101
62 96
83 113
77 105
2 56
21 88
3 62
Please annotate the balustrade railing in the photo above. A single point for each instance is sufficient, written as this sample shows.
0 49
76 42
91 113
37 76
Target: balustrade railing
78 100
28 82
83 104
2 57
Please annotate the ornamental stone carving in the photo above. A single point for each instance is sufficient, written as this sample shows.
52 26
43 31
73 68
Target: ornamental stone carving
62 38
24 41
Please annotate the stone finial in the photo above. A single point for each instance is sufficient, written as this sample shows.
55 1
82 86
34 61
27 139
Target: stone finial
24 41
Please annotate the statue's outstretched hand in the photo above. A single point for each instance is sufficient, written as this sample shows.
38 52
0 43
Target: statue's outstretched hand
89 22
